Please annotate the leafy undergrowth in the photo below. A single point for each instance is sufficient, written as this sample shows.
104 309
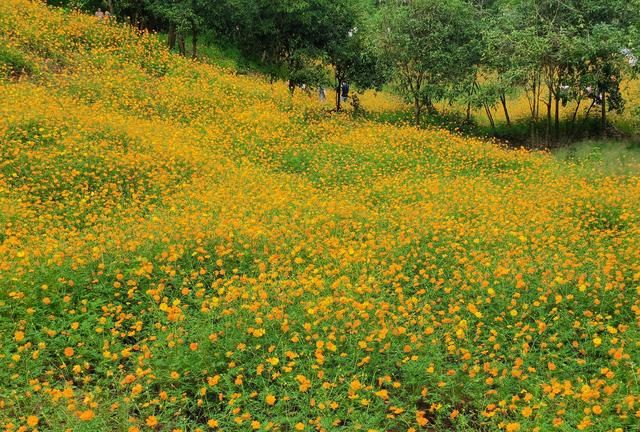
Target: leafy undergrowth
182 248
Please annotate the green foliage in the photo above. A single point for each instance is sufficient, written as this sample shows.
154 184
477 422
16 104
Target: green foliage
561 52
431 44
290 37
349 51
477 53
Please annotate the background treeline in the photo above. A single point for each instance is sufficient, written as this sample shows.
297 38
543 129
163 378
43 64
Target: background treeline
567 56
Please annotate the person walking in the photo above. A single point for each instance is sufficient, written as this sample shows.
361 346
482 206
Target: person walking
321 94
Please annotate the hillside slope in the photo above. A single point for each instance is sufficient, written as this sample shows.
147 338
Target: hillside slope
182 248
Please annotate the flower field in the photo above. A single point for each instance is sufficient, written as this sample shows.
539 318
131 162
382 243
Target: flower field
186 249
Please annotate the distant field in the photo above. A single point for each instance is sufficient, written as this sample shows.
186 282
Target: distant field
186 249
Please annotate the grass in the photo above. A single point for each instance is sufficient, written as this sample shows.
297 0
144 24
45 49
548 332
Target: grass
186 248
610 157
13 63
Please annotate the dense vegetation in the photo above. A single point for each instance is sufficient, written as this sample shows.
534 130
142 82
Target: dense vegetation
476 54
184 248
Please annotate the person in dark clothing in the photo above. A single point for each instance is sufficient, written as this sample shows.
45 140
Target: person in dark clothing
345 91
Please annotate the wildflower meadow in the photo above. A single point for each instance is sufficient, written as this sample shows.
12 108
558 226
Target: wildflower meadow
183 248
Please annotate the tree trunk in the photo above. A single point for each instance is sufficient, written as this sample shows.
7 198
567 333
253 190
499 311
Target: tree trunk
171 38
604 113
573 118
487 110
593 102
338 77
549 101
112 10
533 110
503 99
532 99
538 92
557 116
417 110
430 107
468 112
181 45
575 112
194 42
534 140
292 87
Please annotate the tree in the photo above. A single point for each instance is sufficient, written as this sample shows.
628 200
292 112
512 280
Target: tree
286 37
562 51
432 45
182 17
349 51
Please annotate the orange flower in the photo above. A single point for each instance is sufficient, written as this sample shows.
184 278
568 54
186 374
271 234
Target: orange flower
597 409
32 421
421 418
383 394
86 415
